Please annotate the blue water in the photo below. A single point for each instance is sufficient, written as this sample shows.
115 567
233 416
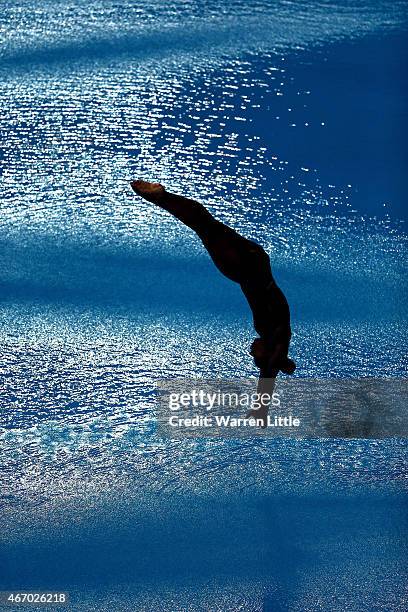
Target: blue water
288 120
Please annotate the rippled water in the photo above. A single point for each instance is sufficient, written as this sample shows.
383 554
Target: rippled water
286 119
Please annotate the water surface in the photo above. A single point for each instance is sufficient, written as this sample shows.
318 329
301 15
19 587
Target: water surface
287 120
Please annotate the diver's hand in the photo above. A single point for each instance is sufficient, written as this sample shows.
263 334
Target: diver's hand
259 413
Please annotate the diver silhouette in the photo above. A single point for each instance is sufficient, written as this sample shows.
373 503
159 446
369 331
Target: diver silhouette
245 262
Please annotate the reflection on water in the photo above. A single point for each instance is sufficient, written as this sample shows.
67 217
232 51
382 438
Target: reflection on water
103 295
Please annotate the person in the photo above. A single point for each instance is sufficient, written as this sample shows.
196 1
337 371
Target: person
246 263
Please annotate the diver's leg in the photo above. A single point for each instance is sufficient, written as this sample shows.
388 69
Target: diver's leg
225 246
191 213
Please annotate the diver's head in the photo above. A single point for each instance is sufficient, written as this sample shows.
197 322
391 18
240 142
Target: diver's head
262 352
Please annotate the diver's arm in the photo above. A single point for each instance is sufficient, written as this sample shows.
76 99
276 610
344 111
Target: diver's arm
278 361
265 387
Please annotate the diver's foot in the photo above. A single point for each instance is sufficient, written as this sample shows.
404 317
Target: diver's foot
153 192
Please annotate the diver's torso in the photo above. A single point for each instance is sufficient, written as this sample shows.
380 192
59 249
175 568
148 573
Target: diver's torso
270 309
